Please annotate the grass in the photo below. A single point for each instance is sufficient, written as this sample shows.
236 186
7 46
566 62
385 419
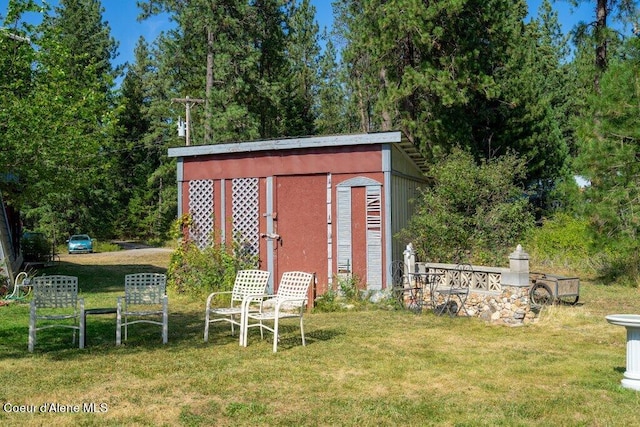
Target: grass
359 368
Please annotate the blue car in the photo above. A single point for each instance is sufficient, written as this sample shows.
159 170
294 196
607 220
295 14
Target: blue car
80 243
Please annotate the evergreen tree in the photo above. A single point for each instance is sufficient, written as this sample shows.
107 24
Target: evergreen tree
529 115
331 109
245 42
449 73
354 28
301 83
608 159
599 33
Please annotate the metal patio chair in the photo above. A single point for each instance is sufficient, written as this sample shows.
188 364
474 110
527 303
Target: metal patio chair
55 298
247 282
289 302
145 301
455 295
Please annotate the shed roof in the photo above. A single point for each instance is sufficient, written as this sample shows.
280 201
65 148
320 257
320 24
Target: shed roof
394 137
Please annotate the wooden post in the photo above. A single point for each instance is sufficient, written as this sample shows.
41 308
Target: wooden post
188 103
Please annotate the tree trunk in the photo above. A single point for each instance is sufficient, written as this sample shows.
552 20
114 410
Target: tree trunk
209 85
601 41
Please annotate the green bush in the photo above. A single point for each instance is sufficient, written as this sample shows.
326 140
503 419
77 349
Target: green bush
199 271
567 242
478 210
563 241
35 247
346 296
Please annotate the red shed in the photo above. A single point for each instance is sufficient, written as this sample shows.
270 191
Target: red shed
329 205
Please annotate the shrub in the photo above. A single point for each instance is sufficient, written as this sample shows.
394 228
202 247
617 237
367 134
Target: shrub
563 241
469 208
200 271
347 296
567 242
35 247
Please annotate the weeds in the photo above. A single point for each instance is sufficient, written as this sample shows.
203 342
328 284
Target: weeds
197 271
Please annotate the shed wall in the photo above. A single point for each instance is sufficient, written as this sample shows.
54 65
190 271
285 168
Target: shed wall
294 162
304 197
301 187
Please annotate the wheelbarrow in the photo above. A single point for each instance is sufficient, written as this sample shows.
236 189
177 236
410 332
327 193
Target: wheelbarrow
548 289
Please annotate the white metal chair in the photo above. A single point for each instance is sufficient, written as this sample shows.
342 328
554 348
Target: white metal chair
289 302
144 295
247 282
55 298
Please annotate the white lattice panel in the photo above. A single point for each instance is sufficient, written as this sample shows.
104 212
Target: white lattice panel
246 214
201 209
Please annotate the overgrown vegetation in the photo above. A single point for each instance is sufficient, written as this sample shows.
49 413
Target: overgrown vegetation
564 242
36 247
348 295
481 210
197 271
344 296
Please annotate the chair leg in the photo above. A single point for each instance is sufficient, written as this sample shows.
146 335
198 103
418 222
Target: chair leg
275 334
165 321
82 324
302 332
244 322
243 339
32 327
206 325
119 324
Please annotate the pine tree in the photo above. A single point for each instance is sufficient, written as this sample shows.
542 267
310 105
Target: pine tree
456 73
301 82
608 159
599 33
331 110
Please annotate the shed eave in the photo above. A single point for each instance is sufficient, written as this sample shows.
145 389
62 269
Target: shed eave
287 144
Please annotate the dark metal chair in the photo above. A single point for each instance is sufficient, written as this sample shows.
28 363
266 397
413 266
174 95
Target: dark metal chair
455 295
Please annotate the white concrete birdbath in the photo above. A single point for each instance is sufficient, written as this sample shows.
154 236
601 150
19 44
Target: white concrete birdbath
631 378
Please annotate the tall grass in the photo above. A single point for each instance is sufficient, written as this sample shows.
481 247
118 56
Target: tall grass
360 368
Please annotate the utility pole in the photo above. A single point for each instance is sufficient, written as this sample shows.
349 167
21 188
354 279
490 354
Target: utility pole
188 103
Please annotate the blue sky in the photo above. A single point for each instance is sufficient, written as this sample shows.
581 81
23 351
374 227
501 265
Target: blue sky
122 18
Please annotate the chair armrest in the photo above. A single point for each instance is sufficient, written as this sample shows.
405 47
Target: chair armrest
213 294
254 297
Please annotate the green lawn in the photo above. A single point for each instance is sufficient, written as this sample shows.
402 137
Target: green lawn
358 368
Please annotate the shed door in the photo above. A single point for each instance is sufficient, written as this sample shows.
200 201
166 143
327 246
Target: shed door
301 223
359 230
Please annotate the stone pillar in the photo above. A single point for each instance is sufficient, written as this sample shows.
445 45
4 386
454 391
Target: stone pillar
409 260
518 274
